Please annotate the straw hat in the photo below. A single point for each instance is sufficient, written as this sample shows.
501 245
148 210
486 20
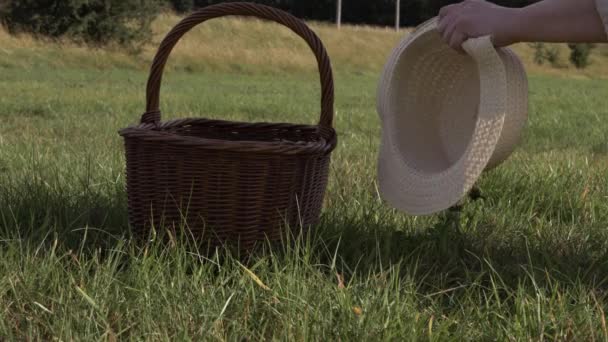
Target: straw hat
446 117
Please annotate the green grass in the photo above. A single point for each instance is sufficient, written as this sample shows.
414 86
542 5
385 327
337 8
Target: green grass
530 262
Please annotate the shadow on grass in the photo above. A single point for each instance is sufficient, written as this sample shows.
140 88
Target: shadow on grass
443 255
449 254
37 213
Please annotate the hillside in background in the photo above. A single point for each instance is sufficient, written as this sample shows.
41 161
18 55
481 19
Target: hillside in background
250 46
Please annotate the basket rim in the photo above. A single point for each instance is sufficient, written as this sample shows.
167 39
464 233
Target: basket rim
159 133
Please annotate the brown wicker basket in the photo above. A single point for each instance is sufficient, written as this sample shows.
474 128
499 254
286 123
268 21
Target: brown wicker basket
228 181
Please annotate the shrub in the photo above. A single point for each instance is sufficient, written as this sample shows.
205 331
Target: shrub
539 53
126 22
579 54
543 53
552 55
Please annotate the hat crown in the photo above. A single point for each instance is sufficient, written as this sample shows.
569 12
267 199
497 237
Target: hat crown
446 117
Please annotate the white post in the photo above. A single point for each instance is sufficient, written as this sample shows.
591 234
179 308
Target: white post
339 14
398 15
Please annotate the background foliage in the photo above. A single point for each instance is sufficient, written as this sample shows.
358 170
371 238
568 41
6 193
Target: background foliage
377 12
126 22
56 17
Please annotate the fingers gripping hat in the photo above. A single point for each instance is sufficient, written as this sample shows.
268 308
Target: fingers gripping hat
446 118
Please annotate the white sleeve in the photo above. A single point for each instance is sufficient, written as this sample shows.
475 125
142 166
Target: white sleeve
602 9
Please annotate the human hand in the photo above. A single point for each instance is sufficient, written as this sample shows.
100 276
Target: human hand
477 18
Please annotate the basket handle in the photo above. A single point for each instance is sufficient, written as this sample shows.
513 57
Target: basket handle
153 115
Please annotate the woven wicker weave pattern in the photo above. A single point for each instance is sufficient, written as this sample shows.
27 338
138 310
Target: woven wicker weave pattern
228 181
446 118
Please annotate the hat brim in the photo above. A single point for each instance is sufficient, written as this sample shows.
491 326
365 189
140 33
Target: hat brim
415 191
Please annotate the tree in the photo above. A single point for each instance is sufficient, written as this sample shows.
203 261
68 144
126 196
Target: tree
92 21
182 6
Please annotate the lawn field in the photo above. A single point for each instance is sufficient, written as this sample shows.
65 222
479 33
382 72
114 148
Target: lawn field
529 262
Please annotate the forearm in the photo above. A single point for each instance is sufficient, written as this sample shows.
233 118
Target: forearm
575 21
